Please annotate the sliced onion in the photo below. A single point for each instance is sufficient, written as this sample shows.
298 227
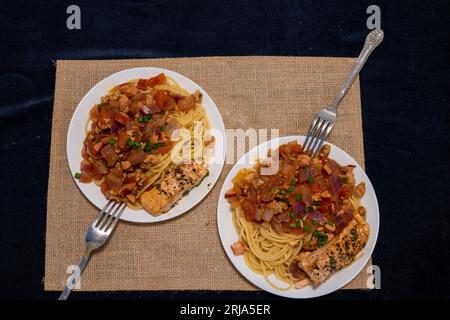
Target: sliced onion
298 208
317 216
335 184
267 215
115 126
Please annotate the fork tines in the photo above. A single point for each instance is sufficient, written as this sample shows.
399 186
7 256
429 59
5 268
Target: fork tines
109 215
317 134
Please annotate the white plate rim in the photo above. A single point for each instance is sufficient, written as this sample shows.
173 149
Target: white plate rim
92 192
225 229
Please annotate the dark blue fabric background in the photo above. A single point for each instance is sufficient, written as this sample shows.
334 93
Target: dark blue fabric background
405 104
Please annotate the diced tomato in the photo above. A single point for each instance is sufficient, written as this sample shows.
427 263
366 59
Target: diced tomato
122 118
104 187
291 147
122 139
104 112
164 149
164 101
345 191
84 153
85 178
248 208
186 104
142 84
287 170
109 155
93 113
137 157
160 78
114 181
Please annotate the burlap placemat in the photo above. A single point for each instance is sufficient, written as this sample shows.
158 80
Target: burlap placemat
186 253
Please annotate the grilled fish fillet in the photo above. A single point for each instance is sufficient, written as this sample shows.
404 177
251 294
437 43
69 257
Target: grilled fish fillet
181 179
338 253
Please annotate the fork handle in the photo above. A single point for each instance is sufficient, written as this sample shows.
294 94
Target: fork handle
68 289
373 39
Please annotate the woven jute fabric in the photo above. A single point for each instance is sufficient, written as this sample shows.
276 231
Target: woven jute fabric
186 253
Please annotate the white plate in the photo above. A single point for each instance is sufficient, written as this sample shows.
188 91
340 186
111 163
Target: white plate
76 136
228 234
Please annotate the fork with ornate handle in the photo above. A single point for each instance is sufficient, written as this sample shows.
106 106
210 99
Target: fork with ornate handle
325 119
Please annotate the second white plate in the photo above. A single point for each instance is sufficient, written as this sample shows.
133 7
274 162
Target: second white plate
228 234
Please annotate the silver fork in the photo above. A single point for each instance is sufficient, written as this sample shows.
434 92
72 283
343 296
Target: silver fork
324 120
96 236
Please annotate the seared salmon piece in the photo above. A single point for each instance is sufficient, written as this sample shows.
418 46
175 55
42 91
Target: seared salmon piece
181 179
336 254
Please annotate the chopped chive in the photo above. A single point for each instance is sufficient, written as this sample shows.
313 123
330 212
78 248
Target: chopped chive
283 192
314 222
307 228
145 118
77 175
130 142
293 225
292 182
331 223
354 234
321 238
99 106
332 263
148 147
163 128
311 179
292 214
298 198
112 141
291 189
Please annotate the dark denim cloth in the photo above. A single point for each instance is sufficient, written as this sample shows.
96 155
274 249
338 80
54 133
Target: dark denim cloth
405 105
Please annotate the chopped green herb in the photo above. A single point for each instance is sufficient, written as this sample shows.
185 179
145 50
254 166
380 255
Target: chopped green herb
298 198
314 223
354 234
291 189
145 118
134 144
99 106
148 147
292 214
311 179
332 263
112 141
346 247
293 225
320 237
162 129
77 175
292 182
307 209
331 223
307 228
283 192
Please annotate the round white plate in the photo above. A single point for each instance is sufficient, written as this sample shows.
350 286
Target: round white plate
228 234
76 136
